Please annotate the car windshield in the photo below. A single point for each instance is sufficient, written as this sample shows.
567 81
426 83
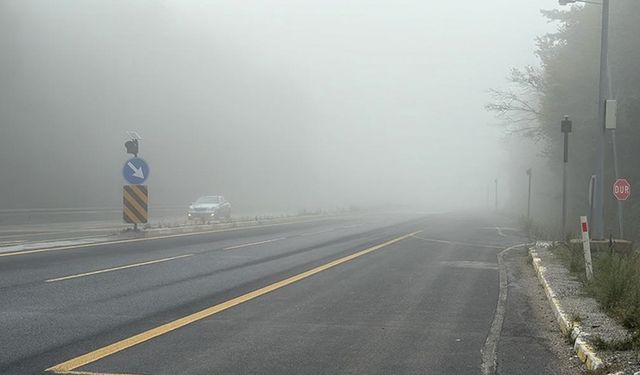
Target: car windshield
212 199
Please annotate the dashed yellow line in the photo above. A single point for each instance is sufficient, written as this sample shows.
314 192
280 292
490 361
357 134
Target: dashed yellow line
116 347
116 268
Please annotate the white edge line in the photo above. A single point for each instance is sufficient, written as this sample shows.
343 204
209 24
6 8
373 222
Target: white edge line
254 243
115 268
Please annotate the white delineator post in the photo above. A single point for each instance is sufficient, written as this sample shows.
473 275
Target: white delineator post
587 247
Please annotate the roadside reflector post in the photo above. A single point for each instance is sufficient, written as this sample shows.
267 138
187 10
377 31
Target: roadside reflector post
584 226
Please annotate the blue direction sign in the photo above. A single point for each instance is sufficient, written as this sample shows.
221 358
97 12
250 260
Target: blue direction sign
135 171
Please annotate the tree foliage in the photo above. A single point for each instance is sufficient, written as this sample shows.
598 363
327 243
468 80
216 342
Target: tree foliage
566 83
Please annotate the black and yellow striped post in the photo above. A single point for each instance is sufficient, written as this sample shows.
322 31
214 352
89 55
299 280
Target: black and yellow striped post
135 204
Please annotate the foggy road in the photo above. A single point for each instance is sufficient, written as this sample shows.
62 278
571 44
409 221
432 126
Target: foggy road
287 187
384 293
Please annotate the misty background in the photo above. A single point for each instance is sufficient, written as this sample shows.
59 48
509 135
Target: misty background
278 105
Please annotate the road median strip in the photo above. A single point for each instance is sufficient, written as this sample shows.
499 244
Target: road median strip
152 238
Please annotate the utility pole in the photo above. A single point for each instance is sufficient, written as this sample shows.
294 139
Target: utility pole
611 108
598 222
565 128
598 193
529 195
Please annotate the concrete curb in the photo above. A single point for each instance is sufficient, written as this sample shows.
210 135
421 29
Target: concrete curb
582 348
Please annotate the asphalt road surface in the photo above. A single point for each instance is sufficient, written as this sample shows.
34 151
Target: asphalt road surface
377 293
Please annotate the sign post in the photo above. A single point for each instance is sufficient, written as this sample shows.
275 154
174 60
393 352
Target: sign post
135 196
565 128
622 192
584 226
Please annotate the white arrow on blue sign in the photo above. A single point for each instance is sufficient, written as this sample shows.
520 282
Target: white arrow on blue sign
135 171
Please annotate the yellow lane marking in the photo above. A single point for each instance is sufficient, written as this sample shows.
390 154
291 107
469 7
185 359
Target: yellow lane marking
116 268
87 373
254 243
25 252
111 349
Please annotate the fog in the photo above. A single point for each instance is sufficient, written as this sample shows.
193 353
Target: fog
278 105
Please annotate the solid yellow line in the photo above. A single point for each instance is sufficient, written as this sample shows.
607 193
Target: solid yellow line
116 268
15 253
254 243
108 350
88 373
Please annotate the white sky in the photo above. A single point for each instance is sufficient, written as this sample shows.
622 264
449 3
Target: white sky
311 102
400 84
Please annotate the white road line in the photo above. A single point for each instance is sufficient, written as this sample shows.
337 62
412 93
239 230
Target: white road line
500 232
318 232
116 268
254 243
458 243
352 226
329 230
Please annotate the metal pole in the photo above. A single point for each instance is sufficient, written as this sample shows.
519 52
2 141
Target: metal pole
565 128
598 222
564 187
496 194
615 167
529 172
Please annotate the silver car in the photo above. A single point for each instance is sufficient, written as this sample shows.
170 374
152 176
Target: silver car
209 208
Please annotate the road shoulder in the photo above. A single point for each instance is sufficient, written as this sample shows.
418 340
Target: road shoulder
531 341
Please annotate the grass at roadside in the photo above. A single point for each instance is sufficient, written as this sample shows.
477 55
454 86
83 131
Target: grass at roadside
616 287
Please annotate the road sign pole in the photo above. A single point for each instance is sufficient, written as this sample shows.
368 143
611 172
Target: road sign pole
135 195
529 173
564 198
565 128
496 188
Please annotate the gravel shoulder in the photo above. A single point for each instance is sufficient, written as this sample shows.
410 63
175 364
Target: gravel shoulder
584 314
